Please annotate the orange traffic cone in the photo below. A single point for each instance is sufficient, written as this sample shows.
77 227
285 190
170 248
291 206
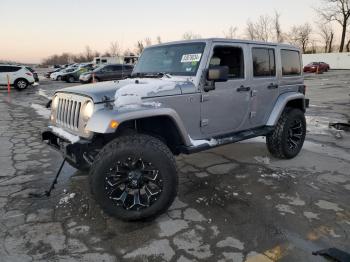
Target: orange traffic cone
8 84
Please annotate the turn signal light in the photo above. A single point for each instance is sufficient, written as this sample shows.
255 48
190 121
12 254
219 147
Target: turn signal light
114 124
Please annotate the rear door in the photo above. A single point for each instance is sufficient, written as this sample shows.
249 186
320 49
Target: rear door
225 108
117 72
3 71
264 83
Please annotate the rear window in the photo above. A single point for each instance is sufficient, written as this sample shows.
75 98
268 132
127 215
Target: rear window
264 62
290 63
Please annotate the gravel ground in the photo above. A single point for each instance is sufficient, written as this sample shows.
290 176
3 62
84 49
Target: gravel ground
235 203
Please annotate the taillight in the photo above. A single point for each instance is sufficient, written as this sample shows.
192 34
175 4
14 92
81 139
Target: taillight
29 74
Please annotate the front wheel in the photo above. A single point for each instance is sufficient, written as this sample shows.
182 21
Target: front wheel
288 137
134 177
59 78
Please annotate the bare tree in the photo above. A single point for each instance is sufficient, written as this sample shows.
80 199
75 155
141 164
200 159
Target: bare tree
277 27
189 35
301 36
159 40
261 29
115 49
231 33
339 11
327 34
89 54
139 47
250 30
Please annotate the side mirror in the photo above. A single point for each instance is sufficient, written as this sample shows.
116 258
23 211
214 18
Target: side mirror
218 73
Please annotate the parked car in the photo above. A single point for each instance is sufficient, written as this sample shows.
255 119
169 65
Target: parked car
48 74
182 97
58 74
35 74
74 75
106 73
314 66
19 76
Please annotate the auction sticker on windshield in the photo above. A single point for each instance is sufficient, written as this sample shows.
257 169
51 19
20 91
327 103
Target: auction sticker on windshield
188 58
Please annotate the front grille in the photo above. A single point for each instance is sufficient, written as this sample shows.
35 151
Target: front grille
68 113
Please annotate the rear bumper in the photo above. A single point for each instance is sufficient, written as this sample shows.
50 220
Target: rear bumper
72 152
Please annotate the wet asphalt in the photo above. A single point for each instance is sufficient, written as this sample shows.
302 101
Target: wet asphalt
235 203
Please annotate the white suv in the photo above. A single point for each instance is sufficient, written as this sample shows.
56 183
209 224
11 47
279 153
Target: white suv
19 76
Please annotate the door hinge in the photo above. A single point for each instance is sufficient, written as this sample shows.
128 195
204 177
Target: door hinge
204 122
252 114
204 98
253 93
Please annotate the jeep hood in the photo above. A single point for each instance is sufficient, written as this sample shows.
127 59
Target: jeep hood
131 91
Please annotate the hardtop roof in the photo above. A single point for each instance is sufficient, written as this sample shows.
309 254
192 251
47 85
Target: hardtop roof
225 40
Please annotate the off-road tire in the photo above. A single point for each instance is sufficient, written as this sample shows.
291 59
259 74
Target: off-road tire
277 141
137 146
21 84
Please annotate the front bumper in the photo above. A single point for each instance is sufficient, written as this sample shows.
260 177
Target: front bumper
73 152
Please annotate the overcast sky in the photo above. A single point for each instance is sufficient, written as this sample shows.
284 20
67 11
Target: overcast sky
32 30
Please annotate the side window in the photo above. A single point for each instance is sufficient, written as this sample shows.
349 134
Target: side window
264 64
108 69
117 68
3 69
13 68
229 56
290 63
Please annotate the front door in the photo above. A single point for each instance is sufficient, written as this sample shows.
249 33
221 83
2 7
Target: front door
225 108
264 84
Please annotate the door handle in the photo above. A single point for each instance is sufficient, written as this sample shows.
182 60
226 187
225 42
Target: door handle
272 86
243 89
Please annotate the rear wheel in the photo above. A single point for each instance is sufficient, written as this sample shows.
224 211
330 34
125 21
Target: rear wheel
21 84
134 177
288 137
71 79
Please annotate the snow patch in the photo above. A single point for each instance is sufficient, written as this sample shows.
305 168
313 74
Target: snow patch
137 89
211 142
65 199
64 134
263 160
41 110
42 92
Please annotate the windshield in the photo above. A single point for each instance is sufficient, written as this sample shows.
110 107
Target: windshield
177 59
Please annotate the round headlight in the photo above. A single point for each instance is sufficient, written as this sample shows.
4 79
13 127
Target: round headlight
54 102
88 110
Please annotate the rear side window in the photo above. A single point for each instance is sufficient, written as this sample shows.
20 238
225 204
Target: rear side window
264 64
290 63
117 68
14 68
9 69
128 67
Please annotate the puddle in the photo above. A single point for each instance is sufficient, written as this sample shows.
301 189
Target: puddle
340 126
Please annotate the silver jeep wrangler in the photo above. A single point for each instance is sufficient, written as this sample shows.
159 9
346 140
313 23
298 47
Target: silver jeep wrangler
182 97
